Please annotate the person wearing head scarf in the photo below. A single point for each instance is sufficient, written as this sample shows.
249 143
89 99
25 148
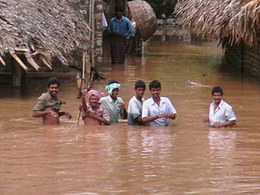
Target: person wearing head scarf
114 104
92 111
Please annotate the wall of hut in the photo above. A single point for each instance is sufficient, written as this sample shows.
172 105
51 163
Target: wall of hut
83 7
244 58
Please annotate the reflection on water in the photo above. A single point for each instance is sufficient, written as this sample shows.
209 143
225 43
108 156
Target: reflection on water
184 158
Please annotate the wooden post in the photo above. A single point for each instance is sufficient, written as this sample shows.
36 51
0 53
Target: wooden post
2 61
16 75
19 61
88 71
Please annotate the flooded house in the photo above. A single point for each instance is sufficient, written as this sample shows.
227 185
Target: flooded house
60 35
236 24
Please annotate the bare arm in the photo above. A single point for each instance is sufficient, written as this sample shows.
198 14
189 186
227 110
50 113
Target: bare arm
65 113
206 119
163 115
98 118
139 119
225 124
150 118
38 113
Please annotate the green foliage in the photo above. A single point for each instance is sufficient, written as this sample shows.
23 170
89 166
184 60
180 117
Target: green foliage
162 7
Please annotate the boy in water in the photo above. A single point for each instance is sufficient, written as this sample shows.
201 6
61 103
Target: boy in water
135 105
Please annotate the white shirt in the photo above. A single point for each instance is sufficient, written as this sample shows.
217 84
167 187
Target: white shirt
134 110
223 113
150 108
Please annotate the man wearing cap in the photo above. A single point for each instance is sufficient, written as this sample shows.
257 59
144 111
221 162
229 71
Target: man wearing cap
114 104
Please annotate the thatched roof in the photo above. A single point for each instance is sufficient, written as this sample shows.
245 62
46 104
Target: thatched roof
47 27
232 20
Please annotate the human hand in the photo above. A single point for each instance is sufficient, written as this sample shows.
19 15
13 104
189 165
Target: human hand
164 115
52 113
68 115
122 106
206 119
80 107
217 125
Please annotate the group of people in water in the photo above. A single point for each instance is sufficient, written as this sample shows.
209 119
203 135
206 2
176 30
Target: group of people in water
98 109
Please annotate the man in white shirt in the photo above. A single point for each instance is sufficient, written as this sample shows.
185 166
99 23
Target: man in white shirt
135 105
220 112
157 111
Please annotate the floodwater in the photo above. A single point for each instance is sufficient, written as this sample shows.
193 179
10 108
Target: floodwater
185 158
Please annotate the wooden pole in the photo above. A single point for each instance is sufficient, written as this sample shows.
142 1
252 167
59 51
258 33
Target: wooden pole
84 84
16 75
2 61
45 62
88 67
19 61
93 34
31 61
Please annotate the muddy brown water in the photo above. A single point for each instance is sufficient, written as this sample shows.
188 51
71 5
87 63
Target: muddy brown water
185 158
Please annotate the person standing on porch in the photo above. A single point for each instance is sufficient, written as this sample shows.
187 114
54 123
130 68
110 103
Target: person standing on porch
121 30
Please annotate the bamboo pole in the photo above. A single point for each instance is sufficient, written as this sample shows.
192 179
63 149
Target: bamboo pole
2 61
31 61
88 70
93 34
84 69
45 62
19 61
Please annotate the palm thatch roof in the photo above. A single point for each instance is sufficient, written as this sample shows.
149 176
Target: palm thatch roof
232 20
43 28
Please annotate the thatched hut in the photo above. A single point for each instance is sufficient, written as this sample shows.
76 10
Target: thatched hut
235 23
32 32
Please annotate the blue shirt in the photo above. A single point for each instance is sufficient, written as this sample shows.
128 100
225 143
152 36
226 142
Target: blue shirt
123 27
